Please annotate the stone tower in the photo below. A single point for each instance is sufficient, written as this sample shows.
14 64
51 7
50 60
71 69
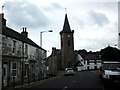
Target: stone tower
67 45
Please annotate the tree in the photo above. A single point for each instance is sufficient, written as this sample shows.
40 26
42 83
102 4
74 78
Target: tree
110 54
83 51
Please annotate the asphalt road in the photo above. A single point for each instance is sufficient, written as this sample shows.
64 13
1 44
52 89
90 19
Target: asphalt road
81 81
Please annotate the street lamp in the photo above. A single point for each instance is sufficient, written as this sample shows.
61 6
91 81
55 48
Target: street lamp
41 36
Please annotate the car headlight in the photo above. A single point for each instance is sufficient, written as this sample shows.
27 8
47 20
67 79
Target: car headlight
106 76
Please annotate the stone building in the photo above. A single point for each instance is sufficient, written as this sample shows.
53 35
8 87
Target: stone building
54 61
67 45
68 57
21 57
64 57
0 55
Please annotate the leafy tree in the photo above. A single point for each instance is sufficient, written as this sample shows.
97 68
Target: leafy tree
83 51
110 54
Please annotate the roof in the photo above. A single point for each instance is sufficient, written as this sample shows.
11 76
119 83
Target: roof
13 34
92 57
55 51
66 26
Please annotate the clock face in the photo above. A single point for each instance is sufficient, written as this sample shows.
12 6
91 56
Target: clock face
68 35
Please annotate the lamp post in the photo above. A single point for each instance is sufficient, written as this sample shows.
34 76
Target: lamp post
41 36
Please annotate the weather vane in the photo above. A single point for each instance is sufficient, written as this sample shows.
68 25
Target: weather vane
66 10
3 7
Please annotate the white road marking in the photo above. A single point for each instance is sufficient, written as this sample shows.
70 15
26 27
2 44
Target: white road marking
64 88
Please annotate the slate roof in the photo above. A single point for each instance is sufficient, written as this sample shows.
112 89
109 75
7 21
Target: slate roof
13 34
92 57
66 26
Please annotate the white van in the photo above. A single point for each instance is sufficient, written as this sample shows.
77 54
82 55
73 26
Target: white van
110 71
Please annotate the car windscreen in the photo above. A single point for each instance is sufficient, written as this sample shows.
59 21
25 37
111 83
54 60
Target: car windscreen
111 66
70 69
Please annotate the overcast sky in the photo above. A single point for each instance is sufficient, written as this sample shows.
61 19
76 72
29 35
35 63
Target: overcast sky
95 23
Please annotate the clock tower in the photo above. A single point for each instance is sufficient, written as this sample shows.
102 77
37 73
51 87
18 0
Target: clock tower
67 45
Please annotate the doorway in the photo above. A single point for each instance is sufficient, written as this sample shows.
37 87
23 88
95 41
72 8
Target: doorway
5 75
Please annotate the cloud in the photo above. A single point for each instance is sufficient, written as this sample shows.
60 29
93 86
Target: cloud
93 22
98 18
53 7
25 14
95 38
57 6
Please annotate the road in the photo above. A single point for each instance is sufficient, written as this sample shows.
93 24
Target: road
81 80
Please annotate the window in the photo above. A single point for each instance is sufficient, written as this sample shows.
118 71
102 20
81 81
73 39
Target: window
14 69
88 68
26 49
26 70
4 71
69 43
14 46
88 62
61 43
95 62
95 67
37 52
84 61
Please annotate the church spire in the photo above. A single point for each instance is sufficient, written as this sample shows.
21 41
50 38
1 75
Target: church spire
66 26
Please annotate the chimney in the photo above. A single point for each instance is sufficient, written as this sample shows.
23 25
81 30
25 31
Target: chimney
53 51
2 20
24 32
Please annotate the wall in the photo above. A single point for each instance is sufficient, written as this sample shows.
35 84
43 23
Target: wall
34 54
0 61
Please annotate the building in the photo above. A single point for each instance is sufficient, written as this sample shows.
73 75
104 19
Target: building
54 61
21 57
67 57
64 57
89 62
119 40
119 25
67 45
0 56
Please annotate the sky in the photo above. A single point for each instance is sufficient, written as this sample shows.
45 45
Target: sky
95 22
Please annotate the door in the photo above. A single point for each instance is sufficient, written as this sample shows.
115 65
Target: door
5 74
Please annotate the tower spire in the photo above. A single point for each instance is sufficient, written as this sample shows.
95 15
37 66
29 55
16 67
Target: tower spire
66 26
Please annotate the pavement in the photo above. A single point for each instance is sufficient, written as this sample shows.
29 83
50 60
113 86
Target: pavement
59 73
27 85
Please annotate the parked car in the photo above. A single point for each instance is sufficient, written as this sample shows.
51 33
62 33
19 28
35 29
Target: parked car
110 72
69 72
